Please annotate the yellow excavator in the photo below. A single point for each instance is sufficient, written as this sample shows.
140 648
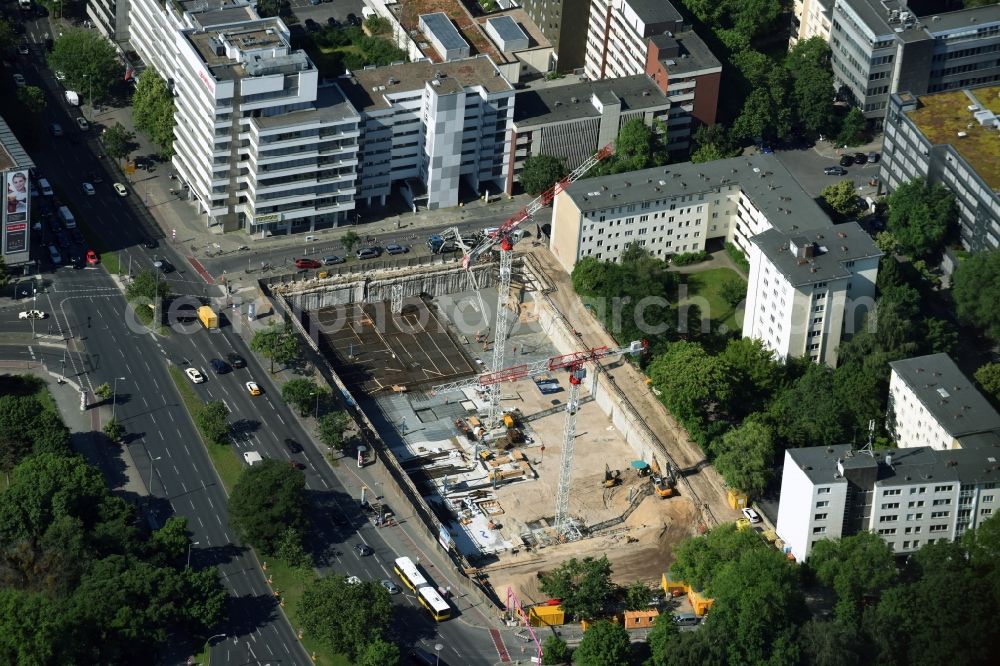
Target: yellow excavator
612 477
663 483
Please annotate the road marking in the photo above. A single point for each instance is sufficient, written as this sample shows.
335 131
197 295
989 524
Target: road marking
148 369
201 523
171 416
210 502
178 473
227 405
219 520
323 481
144 401
184 486
280 419
186 450
160 433
153 419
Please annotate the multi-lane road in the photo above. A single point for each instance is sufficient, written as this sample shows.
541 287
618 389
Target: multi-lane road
88 311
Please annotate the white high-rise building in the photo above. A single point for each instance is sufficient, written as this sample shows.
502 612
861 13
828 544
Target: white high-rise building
259 142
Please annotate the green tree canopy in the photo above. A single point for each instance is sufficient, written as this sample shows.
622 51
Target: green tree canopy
700 559
714 143
637 596
268 498
604 644
584 586
350 240
810 412
331 429
988 376
212 420
977 291
856 567
541 172
28 425
89 62
378 652
555 651
277 343
345 617
117 141
302 394
153 110
920 215
842 198
690 381
33 99
853 129
812 85
744 456
147 287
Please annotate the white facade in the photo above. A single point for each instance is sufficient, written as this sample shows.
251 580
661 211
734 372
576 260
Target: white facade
616 36
111 18
427 127
812 19
260 144
816 513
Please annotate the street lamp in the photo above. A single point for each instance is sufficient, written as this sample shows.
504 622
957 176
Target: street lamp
191 543
316 414
437 650
149 486
208 660
114 398
90 99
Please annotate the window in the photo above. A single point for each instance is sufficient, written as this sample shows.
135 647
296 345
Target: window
820 516
916 504
942 489
888 519
939 514
823 491
890 505
819 530
894 491
942 502
822 504
987 498
938 528
887 530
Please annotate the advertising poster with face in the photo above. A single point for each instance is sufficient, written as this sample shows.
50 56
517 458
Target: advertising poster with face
18 196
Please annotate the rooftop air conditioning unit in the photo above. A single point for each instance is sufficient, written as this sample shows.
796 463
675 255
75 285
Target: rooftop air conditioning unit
962 135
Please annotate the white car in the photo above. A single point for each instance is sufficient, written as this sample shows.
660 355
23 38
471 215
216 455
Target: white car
31 314
120 189
82 124
194 375
750 515
19 80
88 189
353 580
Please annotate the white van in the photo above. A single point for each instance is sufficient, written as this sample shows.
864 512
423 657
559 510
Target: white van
72 98
44 186
367 12
66 215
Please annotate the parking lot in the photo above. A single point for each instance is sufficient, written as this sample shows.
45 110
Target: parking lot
807 165
321 13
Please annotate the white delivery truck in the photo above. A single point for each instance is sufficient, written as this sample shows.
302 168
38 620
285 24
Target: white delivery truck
66 215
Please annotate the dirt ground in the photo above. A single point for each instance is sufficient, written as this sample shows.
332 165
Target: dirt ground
657 525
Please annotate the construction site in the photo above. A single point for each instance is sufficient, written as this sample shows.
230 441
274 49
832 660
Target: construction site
526 445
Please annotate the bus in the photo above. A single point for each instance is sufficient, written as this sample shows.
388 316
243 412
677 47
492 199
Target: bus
434 603
409 574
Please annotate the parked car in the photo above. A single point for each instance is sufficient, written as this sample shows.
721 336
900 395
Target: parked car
333 259
88 189
236 360
873 157
307 263
860 158
750 515
396 249
22 48
150 243
846 161
92 258
31 314
369 253
686 619
389 586
352 19
19 80
82 124
56 129
835 171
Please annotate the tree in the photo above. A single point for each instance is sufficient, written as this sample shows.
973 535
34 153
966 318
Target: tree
33 99
690 381
147 287
604 644
5 277
117 141
853 129
755 375
113 430
302 394
733 291
343 616
584 586
699 560
212 420
276 343
637 596
350 240
291 552
809 412
6 36
378 652
170 543
103 391
637 146
940 336
331 427
662 640
856 567
988 376
541 172
976 291
153 110
89 62
920 215
885 241
555 651
830 643
744 456
268 499
713 143
842 198
812 85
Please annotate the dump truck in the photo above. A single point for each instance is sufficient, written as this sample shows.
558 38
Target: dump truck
207 317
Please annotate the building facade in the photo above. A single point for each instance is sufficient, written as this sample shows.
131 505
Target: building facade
260 143
564 24
931 403
573 121
879 47
16 167
752 202
909 497
427 128
111 18
949 138
810 18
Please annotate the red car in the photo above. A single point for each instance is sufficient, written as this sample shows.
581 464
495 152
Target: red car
92 258
307 263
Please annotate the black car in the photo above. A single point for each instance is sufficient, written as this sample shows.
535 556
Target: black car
860 158
846 161
96 178
220 366
149 243
312 26
292 446
352 19
236 360
363 550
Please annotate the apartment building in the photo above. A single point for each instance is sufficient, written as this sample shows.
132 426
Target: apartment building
909 497
427 127
261 145
573 121
111 18
880 47
810 18
807 288
931 403
16 166
949 138
564 24
631 37
754 203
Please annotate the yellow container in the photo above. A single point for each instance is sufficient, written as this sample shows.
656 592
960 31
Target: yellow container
546 616
737 500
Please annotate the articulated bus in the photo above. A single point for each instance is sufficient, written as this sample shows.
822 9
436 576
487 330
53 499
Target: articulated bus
409 574
434 603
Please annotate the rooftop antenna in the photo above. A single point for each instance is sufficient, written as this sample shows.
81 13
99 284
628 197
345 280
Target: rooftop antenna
869 447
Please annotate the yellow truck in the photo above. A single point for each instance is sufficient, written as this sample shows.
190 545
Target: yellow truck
207 317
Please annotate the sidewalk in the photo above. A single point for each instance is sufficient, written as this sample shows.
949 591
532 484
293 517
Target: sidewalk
832 150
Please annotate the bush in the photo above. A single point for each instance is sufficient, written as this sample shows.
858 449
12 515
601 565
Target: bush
686 258
738 257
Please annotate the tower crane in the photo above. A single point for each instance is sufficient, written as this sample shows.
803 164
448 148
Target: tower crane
574 363
502 237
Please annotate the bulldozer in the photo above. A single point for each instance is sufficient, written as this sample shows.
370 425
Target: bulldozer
612 477
663 483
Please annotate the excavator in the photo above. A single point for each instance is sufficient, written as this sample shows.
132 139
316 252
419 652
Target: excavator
612 477
663 483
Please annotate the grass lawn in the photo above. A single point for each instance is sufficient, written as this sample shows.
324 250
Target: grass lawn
708 285
223 456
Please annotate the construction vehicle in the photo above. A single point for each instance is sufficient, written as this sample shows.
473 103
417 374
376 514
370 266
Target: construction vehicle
663 484
612 477
574 363
504 236
207 317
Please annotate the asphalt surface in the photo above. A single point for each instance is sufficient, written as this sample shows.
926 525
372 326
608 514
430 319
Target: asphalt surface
86 309
807 165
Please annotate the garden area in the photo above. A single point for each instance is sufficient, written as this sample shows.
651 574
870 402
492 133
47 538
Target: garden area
335 49
718 292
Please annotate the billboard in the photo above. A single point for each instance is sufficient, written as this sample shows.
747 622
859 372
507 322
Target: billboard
15 237
18 196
